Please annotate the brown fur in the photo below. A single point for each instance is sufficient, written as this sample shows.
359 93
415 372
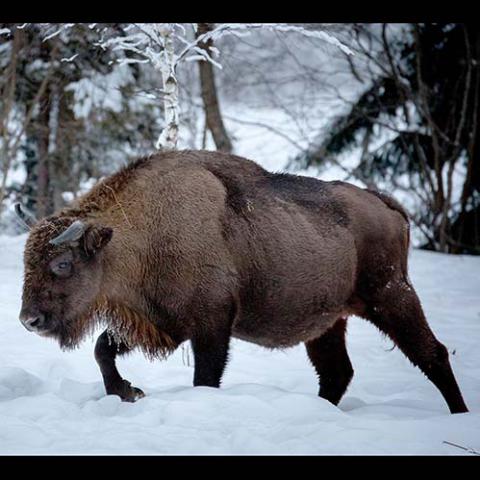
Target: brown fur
133 329
199 246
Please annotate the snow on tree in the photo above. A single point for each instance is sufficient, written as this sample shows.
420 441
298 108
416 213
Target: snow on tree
68 113
157 43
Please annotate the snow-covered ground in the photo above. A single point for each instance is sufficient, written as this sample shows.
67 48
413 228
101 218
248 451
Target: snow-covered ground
52 402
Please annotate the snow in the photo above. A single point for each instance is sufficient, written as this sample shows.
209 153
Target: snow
53 402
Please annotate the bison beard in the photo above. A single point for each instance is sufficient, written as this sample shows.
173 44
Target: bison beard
124 325
201 246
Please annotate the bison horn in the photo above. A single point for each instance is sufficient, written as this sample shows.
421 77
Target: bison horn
71 234
27 217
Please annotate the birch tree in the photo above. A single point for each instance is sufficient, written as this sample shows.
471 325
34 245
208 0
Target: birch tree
167 45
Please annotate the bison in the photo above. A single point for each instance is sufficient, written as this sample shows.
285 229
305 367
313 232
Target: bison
203 246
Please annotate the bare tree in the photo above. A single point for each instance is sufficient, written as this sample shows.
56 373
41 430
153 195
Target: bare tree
416 130
213 117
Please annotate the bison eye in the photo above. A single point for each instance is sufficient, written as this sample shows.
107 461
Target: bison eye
62 267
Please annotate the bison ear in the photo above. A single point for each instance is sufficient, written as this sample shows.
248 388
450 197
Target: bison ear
95 238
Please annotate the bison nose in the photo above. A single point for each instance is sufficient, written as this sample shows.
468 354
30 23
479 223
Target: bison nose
33 323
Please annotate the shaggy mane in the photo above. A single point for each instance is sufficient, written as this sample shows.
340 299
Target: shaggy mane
124 325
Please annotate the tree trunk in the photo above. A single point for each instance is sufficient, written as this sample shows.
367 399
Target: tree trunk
63 171
210 98
44 206
169 136
29 188
8 99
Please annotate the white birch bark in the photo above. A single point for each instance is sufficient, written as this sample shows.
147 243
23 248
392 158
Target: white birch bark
169 137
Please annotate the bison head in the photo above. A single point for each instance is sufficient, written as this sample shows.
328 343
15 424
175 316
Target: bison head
63 274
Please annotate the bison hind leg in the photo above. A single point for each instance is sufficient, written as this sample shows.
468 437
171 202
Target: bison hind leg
396 310
329 356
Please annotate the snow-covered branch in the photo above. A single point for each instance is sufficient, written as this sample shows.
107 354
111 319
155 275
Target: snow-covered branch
155 43
243 29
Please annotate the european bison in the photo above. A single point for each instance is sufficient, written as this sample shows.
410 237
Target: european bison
202 246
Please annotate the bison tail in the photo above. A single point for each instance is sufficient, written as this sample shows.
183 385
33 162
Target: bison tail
390 202
393 204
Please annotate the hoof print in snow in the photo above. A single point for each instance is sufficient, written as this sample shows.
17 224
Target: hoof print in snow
126 392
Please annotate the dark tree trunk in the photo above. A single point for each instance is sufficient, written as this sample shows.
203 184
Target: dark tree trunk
63 172
210 98
29 189
44 204
6 104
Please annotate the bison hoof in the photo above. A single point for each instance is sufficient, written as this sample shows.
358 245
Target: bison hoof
126 392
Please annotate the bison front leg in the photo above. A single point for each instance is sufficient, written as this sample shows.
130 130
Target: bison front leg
106 350
210 352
